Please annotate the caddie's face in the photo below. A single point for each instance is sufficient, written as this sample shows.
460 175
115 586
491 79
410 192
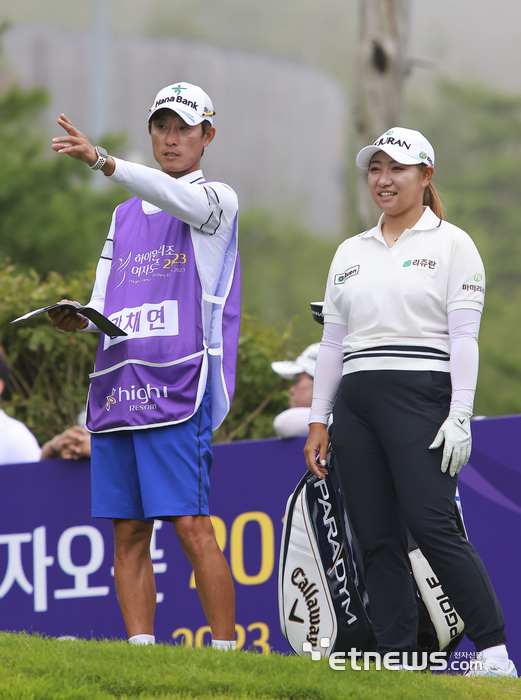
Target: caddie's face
176 145
397 189
301 391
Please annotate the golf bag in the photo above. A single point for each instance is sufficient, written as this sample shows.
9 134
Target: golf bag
322 595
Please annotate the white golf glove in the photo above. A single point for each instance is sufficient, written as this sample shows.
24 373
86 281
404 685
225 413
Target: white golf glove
455 432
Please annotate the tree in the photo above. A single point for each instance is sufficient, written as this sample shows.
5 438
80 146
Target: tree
382 66
50 217
50 368
477 171
284 269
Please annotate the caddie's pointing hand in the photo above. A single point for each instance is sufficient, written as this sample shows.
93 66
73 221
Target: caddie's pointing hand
75 144
455 433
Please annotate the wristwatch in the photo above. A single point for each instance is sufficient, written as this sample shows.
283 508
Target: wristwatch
102 158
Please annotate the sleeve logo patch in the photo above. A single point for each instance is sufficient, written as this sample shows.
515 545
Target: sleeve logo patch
473 288
350 272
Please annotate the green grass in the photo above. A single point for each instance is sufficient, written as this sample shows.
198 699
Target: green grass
37 668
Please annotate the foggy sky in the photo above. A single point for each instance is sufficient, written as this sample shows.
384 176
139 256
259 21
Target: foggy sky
478 39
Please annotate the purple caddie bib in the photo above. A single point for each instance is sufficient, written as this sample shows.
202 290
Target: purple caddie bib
179 338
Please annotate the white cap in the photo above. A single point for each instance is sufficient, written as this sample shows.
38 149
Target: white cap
305 362
405 146
191 103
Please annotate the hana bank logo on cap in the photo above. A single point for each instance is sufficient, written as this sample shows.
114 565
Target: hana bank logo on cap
405 146
191 103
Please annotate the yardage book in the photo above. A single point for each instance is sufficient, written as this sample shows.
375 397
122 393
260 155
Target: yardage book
102 322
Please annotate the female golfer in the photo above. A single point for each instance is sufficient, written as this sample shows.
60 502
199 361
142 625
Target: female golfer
400 356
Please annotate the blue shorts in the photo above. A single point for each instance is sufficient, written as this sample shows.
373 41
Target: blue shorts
153 473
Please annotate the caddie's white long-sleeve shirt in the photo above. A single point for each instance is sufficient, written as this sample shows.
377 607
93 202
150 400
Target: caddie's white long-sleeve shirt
208 208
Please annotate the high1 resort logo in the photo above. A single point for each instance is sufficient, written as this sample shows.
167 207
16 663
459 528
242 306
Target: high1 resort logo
143 394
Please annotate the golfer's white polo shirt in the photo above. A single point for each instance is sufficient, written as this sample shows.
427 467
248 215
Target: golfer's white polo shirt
395 301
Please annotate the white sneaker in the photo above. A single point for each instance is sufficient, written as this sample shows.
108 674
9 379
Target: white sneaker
490 668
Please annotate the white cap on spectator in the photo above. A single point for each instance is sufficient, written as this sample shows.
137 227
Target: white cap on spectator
305 362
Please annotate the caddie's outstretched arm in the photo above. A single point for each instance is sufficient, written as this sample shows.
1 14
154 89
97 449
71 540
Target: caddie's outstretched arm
210 208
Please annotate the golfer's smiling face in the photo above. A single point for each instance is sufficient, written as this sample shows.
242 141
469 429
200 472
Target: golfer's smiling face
396 188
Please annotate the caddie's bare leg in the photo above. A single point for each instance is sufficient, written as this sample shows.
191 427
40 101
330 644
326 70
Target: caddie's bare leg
212 574
134 575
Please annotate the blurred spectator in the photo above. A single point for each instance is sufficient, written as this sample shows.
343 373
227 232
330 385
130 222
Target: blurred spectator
294 421
17 443
73 443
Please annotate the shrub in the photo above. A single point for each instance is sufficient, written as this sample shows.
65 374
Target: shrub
50 368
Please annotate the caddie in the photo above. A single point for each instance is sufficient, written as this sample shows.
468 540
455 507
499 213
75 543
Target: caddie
169 277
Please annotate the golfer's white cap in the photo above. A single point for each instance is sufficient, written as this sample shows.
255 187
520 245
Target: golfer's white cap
305 362
191 103
405 146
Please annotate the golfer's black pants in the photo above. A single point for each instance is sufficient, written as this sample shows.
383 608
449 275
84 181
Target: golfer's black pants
384 422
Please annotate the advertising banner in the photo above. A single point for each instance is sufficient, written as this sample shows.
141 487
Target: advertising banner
56 562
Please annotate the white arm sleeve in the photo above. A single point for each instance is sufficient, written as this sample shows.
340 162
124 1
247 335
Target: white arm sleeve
464 357
292 423
208 208
328 372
